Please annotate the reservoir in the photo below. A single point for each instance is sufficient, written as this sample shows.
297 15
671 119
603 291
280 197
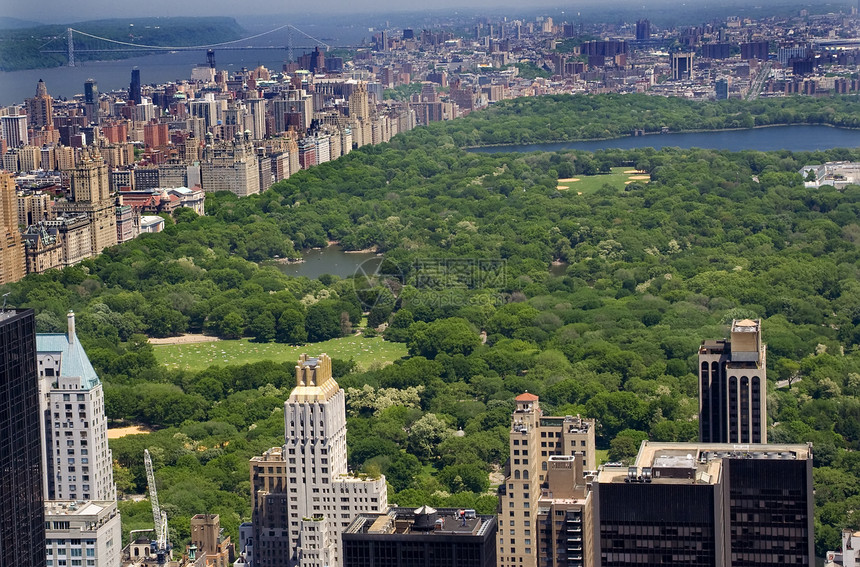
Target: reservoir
800 138
332 260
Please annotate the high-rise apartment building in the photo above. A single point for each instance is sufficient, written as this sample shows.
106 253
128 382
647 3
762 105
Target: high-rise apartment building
534 440
78 461
682 66
230 167
303 494
91 196
40 108
11 244
720 505
733 386
85 532
22 515
14 129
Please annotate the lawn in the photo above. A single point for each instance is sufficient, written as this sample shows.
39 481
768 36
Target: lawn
199 356
587 184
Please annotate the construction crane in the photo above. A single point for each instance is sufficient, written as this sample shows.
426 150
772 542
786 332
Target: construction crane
159 517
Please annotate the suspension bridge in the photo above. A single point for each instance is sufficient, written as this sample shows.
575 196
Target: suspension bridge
117 46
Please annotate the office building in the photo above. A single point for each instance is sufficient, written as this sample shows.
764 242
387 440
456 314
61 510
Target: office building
22 514
682 66
134 88
40 108
733 386
643 30
78 461
720 505
534 440
422 537
721 89
91 101
14 129
303 496
11 244
85 532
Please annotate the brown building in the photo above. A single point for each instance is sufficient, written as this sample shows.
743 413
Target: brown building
206 536
40 109
11 245
564 515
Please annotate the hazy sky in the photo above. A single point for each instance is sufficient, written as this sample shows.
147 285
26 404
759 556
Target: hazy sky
67 11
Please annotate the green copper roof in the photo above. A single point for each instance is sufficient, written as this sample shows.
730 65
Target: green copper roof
74 361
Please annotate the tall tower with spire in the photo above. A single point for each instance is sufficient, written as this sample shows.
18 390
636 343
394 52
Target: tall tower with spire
40 109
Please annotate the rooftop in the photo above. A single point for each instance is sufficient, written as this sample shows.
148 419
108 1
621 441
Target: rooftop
696 463
422 522
74 360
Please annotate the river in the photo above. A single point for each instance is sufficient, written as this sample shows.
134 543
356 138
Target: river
800 138
333 260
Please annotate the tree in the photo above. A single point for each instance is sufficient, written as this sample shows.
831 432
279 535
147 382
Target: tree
323 322
232 326
465 478
426 434
291 328
263 327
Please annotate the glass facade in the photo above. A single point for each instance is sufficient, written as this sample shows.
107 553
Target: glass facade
22 516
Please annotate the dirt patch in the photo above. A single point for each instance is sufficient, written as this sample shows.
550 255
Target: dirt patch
118 432
184 340
634 171
639 177
569 180
562 187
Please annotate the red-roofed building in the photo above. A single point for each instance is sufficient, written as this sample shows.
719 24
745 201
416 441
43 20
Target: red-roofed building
527 398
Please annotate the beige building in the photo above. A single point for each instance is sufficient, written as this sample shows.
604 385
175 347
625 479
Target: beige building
565 516
89 532
11 244
230 167
303 493
207 538
33 207
91 196
534 441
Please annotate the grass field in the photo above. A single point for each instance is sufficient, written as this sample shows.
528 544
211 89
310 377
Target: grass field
199 356
588 184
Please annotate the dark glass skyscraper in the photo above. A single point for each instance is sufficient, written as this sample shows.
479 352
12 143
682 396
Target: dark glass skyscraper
91 100
134 88
22 516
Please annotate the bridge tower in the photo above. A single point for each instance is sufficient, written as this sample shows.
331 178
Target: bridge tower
71 45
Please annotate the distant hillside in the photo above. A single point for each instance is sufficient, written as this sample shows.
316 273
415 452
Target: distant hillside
20 47
15 23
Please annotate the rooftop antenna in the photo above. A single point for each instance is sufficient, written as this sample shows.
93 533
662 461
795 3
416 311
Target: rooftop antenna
5 295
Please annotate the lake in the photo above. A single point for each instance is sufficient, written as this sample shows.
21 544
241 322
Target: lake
800 138
333 260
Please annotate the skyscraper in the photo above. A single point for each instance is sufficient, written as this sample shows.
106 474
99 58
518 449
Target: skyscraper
697 504
535 440
91 100
11 244
40 108
134 87
733 387
303 496
22 519
14 129
78 462
643 30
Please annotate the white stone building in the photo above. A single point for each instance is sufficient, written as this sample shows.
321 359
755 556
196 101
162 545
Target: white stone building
303 493
88 534
78 463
